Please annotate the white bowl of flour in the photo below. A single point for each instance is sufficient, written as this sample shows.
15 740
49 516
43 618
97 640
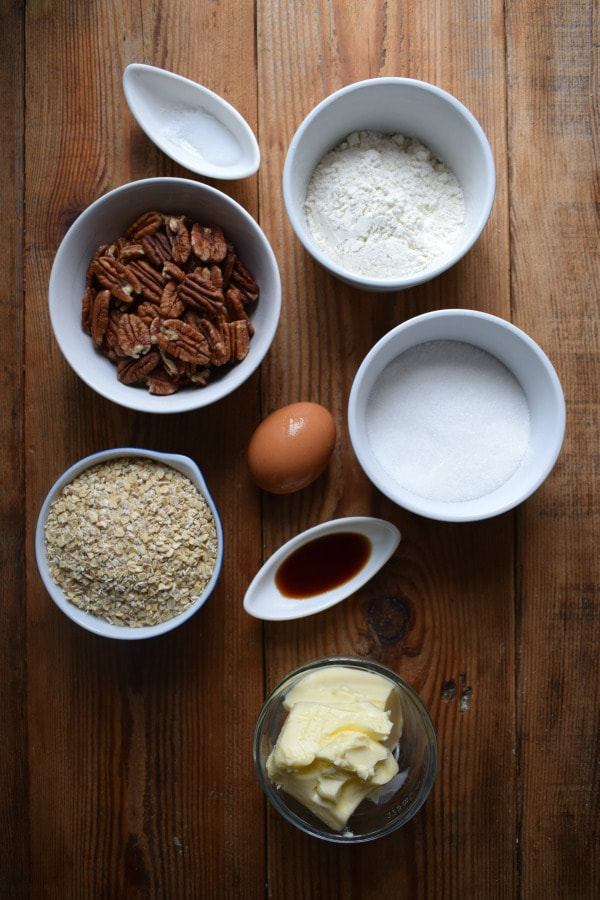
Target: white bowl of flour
456 415
388 182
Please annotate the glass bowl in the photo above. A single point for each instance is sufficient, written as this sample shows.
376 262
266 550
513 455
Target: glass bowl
391 805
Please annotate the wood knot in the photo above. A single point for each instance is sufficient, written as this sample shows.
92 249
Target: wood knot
389 618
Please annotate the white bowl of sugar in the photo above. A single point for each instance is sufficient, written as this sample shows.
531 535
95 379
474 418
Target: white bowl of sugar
456 415
388 182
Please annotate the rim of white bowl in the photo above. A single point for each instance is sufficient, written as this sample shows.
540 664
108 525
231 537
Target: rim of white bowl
454 511
88 621
389 284
182 401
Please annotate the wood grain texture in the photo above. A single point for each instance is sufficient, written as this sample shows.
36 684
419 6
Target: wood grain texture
555 272
14 853
126 770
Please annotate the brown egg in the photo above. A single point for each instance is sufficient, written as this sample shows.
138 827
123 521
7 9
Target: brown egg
291 447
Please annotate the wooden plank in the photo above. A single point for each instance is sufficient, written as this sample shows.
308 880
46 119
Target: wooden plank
142 778
448 596
14 854
556 281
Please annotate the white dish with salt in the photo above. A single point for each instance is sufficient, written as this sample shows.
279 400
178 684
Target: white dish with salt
456 415
194 126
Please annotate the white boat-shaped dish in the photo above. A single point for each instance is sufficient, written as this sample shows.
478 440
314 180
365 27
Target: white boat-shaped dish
265 600
191 124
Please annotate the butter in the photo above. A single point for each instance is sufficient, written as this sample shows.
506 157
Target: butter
335 745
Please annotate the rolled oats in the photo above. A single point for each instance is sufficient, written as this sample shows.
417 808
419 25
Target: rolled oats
132 541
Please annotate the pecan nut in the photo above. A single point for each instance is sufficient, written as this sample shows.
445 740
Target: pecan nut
134 371
243 278
183 341
99 317
179 238
157 248
117 278
171 307
237 339
161 383
148 223
208 243
151 281
199 291
134 335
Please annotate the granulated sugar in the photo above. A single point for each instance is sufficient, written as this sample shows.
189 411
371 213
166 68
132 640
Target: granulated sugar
448 421
383 205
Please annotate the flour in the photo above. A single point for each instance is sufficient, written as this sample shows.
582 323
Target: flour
448 421
383 205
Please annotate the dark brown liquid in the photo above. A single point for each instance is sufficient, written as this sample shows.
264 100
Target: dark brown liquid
322 564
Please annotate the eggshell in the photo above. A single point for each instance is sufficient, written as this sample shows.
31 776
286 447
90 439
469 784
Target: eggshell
291 447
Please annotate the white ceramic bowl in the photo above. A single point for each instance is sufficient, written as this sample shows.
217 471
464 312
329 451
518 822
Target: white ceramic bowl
104 221
414 109
520 355
96 624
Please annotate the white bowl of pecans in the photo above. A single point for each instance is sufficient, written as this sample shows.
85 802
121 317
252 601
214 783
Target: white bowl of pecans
129 543
164 295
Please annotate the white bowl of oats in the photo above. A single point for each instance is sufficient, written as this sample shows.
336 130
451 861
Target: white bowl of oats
129 542
388 182
164 295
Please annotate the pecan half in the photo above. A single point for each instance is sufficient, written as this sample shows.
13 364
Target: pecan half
148 223
172 366
134 335
171 307
199 375
208 243
237 338
243 278
111 338
157 248
151 282
217 346
117 278
91 269
131 251
134 371
183 341
171 270
235 304
86 309
148 311
198 291
100 315
179 238
161 383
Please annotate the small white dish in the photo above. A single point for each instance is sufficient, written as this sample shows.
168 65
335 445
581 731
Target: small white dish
191 124
265 600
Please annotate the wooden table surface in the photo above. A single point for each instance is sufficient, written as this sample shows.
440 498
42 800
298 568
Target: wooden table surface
126 768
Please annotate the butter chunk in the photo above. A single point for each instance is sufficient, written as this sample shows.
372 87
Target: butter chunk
343 684
334 747
309 726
